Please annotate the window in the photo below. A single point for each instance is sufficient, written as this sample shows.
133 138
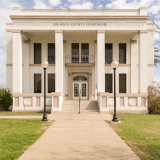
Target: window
37 53
108 53
51 83
75 52
108 83
84 53
37 83
122 83
122 53
51 53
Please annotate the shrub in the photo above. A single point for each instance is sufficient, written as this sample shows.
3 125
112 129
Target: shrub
154 98
5 98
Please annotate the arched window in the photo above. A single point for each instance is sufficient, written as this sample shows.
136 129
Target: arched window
77 78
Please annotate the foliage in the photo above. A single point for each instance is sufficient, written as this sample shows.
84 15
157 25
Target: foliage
156 57
16 135
5 98
141 133
154 98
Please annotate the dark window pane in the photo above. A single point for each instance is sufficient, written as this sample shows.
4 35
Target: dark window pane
75 52
84 53
108 53
108 83
122 53
51 83
37 83
51 53
37 53
122 83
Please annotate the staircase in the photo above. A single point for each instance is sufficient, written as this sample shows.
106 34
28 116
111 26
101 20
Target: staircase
86 106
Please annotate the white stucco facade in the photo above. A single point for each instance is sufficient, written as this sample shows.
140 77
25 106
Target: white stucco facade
94 27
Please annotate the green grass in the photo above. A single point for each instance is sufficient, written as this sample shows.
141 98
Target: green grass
10 113
16 135
141 133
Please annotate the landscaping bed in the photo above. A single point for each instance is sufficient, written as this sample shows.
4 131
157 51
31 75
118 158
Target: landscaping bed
141 133
16 135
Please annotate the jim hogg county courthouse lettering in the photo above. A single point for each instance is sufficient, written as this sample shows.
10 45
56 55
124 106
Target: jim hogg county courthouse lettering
79 46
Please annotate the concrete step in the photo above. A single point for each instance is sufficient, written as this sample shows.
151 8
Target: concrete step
86 106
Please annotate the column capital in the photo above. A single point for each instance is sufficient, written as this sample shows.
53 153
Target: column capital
100 31
58 31
16 31
133 41
143 31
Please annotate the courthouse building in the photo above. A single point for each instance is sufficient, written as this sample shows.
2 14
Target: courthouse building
79 46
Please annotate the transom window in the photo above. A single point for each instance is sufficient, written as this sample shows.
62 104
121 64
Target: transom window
77 78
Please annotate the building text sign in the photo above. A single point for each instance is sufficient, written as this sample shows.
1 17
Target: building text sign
79 24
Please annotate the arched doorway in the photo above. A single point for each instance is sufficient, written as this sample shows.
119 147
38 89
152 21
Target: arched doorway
80 87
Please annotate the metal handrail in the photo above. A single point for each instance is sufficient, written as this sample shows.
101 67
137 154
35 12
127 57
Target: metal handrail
79 59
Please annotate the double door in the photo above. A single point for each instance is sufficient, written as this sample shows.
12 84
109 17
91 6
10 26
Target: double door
80 89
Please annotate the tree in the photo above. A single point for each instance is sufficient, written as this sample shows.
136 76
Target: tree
156 30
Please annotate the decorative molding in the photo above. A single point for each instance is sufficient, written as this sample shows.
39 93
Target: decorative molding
9 64
80 10
95 41
150 65
120 65
133 41
79 16
80 64
58 31
48 101
150 24
132 102
16 31
26 41
9 23
16 8
27 102
111 101
151 30
18 94
142 31
100 31
8 30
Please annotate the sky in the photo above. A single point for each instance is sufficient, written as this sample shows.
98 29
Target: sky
6 10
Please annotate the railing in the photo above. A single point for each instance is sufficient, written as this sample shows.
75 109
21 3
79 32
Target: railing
80 59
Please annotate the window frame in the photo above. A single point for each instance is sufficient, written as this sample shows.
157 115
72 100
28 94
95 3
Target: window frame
125 53
34 53
54 53
54 82
105 53
34 82
126 82
111 81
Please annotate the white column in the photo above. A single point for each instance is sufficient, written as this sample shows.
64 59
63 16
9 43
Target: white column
134 67
143 46
59 60
100 60
26 66
17 61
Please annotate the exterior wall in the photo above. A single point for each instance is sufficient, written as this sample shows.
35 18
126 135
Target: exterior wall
118 26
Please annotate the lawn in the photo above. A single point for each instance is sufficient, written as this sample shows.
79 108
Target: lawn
141 133
16 135
10 113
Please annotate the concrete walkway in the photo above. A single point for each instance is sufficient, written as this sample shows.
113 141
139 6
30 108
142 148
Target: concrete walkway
79 137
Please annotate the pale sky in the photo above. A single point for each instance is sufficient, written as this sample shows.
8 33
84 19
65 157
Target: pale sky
6 9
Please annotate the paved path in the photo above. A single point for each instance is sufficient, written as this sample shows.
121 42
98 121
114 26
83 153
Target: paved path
79 137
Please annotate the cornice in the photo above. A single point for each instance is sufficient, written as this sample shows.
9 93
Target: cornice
80 10
78 17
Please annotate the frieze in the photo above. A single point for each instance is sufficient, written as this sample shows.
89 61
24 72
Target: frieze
79 24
